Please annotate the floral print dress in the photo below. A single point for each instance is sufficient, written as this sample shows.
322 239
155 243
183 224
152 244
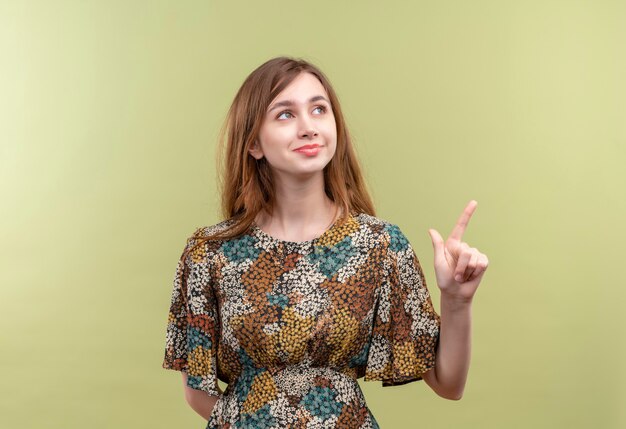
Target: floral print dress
291 326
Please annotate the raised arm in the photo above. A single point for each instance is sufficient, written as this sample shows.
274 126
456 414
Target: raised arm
459 269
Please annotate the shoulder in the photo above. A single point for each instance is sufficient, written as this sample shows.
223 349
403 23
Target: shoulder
199 246
388 237
373 222
203 232
383 229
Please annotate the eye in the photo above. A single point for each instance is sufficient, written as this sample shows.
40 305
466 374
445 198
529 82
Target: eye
281 114
323 108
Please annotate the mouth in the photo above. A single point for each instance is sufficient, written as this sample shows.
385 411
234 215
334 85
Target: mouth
309 149
307 146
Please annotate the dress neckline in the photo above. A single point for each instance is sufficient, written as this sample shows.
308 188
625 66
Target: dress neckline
256 228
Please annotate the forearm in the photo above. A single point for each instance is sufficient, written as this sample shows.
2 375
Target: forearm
454 349
202 404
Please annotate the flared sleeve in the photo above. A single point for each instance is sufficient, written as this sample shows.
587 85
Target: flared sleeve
192 332
405 331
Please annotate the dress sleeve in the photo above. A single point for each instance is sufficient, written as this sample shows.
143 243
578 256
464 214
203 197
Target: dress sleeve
405 331
192 332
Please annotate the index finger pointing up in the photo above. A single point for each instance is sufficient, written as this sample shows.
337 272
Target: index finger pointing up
461 224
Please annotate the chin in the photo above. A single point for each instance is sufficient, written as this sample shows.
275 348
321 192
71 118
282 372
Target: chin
309 171
304 167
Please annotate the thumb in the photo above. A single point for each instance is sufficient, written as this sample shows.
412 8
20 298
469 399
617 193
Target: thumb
438 245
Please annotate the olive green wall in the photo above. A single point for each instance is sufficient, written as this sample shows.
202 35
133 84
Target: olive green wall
109 113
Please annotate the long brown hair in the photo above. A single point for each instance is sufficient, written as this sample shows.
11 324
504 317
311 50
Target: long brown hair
246 184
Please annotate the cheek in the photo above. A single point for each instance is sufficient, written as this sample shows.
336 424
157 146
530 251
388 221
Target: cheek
274 137
331 135
331 129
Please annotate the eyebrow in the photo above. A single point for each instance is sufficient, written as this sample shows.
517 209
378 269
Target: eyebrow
291 103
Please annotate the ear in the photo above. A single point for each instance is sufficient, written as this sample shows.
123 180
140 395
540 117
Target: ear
255 150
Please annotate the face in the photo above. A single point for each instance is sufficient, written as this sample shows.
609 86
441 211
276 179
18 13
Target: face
300 115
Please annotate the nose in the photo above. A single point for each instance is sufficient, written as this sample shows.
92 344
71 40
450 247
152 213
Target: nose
308 133
307 130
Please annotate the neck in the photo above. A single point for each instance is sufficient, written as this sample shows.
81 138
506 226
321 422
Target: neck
300 210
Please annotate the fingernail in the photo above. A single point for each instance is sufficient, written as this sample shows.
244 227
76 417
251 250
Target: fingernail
458 278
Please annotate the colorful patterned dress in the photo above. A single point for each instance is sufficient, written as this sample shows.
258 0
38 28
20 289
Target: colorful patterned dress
291 326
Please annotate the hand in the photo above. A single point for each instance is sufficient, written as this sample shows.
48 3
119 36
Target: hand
459 268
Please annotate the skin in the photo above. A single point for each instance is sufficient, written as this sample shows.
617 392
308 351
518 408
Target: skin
459 269
198 400
303 212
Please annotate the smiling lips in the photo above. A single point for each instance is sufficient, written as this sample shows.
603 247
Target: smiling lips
309 149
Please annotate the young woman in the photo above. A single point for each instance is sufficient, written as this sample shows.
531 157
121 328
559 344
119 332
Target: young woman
301 289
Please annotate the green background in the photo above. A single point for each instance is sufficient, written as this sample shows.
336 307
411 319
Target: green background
109 115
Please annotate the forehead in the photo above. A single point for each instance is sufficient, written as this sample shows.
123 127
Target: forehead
304 84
